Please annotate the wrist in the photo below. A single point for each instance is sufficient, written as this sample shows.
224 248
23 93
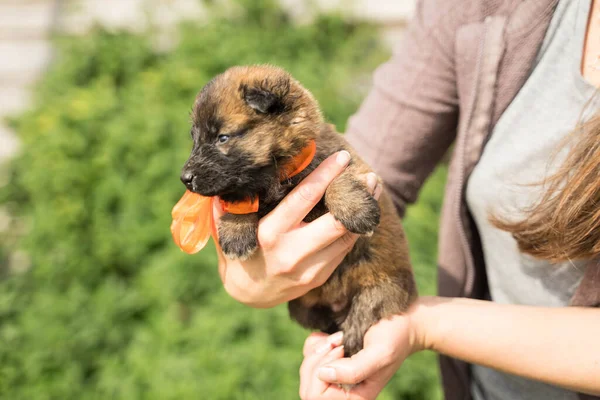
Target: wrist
250 294
422 324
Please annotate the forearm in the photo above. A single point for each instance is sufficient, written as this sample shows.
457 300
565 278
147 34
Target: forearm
560 346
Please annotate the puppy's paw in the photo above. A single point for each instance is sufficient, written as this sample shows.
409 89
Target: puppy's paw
359 213
237 235
351 204
238 248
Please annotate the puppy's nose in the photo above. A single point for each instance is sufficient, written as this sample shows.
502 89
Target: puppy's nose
187 177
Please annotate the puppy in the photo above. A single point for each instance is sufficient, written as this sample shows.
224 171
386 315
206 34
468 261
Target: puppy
249 123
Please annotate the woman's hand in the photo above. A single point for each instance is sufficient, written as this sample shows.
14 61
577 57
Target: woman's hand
386 345
555 345
293 257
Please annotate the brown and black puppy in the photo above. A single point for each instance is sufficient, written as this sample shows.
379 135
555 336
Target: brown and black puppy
247 123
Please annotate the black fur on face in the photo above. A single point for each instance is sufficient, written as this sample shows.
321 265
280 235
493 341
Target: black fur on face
233 176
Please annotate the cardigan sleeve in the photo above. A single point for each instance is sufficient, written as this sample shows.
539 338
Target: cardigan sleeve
409 119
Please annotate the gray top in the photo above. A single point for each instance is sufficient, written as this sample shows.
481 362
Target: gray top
518 154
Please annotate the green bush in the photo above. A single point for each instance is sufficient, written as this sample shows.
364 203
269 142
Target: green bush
106 306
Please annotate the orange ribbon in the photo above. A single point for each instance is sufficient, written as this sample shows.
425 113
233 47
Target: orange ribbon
193 221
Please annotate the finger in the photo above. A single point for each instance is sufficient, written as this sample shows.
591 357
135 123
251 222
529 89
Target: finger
332 355
373 183
298 203
364 391
218 211
370 180
307 371
377 191
353 370
343 245
334 392
222 260
310 385
312 341
313 361
319 342
317 234
331 342
318 267
321 355
311 274
321 274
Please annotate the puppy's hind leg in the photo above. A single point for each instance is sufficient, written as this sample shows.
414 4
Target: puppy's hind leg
372 304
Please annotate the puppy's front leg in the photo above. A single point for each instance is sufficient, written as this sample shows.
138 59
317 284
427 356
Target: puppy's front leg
237 235
351 203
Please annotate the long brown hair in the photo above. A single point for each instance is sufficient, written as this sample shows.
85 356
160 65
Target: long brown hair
565 223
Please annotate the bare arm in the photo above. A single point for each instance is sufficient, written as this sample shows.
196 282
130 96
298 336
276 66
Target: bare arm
560 346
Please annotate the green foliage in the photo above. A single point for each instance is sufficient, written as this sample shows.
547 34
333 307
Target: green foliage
109 307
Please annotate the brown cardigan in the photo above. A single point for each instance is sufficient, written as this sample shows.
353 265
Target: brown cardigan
459 66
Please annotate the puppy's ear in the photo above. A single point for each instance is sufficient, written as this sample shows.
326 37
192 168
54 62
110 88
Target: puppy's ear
267 96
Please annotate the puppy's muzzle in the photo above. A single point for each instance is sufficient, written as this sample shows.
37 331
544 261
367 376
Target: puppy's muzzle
203 182
187 177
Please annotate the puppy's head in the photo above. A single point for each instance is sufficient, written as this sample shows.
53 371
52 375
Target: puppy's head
247 122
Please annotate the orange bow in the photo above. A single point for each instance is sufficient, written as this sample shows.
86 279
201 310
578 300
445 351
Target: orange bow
193 221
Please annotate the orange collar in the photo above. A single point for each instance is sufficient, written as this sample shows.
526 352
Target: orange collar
299 162
287 171
193 221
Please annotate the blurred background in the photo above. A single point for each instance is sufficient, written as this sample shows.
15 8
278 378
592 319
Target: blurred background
96 302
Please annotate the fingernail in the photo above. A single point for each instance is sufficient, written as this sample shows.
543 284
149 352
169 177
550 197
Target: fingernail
343 158
377 191
327 374
336 338
371 182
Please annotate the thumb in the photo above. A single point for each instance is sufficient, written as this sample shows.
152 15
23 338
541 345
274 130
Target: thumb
353 370
217 213
217 209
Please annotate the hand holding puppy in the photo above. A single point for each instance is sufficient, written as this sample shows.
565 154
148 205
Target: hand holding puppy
293 257
386 345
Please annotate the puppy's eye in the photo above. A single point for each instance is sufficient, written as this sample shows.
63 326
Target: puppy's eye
222 139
